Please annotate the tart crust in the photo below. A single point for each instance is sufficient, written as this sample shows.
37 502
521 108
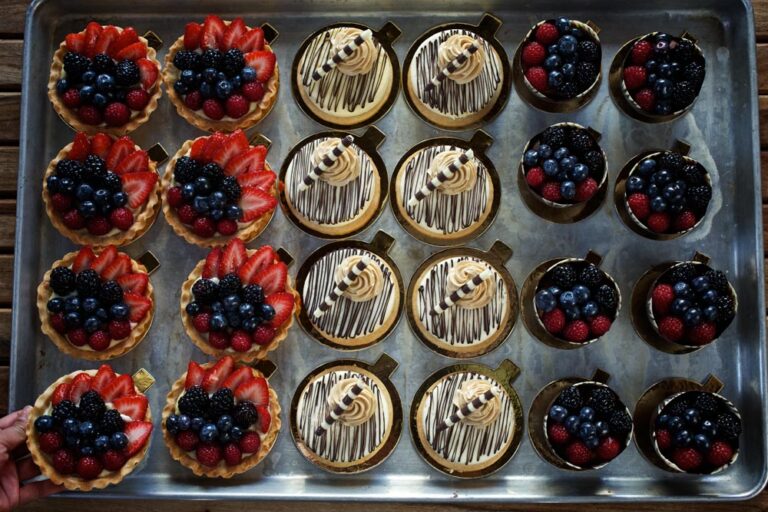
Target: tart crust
62 343
143 219
246 232
69 117
221 470
226 124
71 482
257 351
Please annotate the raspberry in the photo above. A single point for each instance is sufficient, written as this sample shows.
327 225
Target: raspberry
533 54
194 100
174 197
685 221
671 328
237 106
63 461
137 99
187 214
634 77
89 114
113 460
639 205
608 449
61 203
71 98
576 331
208 454
218 340
702 333
664 439
121 218
599 325
720 454
78 337
226 227
253 91
213 109
89 468
558 434
99 341
58 323
578 454
586 189
232 454
537 77
687 459
187 440
263 335
202 322
640 52
204 227
73 220
116 114
645 99
546 34
551 192
658 222
250 442
554 321
241 342
50 441
535 177
98 226
661 298
119 329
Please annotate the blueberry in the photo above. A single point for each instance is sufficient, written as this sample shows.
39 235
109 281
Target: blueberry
701 442
223 89
555 78
101 443
217 307
62 85
216 214
197 423
233 319
193 308
267 312
84 192
567 163
236 433
544 151
184 422
581 293
674 424
202 185
248 74
602 428
658 204
553 62
209 74
651 65
99 100
572 312
208 432
44 424
692 316
647 166
180 87
72 304
231 303
89 304
665 70
692 417
67 185
651 78
579 172
119 199
554 290
531 158
249 324
54 184
104 83
236 81
86 429
88 77
663 107
662 88
661 177
568 69
71 441
567 298
587 430
568 190
119 311
218 322
217 200
102 314
233 212
188 191
71 426
577 33
662 46
700 284
553 49
567 44
682 438
224 424
56 305
91 324
187 77
205 90
220 76
563 25
200 204
73 319
551 167
672 192
708 428
680 306
246 310
558 413
86 451
681 289
590 309
652 190
710 313
172 424
592 442
635 184
118 441
572 424
224 437
545 301
101 197
586 414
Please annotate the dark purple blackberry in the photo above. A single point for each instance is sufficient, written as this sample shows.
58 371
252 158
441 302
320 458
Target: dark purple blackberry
567 90
63 410
606 297
94 168
211 58
229 285
253 294
71 169
595 161
699 196
62 280
717 280
677 407
222 402
620 422
586 73
602 400
728 426
186 170
706 403
232 62
110 292
103 63
91 406
88 283
589 51
127 73
231 188
694 73
726 309
564 276
205 291
671 160
693 174
683 95
554 136
111 422
245 415
194 402
685 51
579 140
112 182
571 399
213 172
682 272
185 59
591 275
75 64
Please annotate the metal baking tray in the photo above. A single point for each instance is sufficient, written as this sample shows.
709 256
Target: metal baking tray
722 130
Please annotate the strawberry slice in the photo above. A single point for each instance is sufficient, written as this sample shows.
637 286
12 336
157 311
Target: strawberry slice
198 148
255 202
119 150
263 61
92 32
100 145
214 144
138 186
192 33
133 406
134 282
233 256
259 179
232 34
127 37
107 37
251 41
254 390
83 259
217 374
282 303
195 375
119 266
134 52
272 279
137 161
104 258
254 159
237 377
121 385
211 267
257 262
213 32
138 432
61 393
235 144
75 42
81 147
103 377
80 384
265 418
148 73
138 304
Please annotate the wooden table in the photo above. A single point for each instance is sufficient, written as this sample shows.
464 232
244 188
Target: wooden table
11 41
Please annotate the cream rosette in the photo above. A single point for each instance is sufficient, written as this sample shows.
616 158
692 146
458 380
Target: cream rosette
462 272
345 169
462 180
362 59
367 285
470 390
452 48
360 410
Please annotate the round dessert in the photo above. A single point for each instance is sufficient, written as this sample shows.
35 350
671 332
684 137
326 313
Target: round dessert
100 191
96 304
691 304
219 187
221 75
460 209
559 61
576 302
220 419
357 90
666 193
238 302
657 77
89 429
588 426
346 196
697 432
104 79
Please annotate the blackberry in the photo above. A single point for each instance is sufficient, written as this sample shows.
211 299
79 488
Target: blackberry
127 73
588 51
706 403
63 410
91 406
678 407
729 426
570 398
579 140
211 58
620 422
195 402
222 402
726 309
213 172
564 276
694 73
94 167
111 422
586 73
672 161
186 170
71 169
591 275
112 182
683 95
62 280
606 297
682 272
602 400
88 283
205 291
567 90
233 62
698 197
693 174
186 60
110 292
595 161
245 415
231 188
554 136
717 280
685 51
103 63
229 285
253 294
75 64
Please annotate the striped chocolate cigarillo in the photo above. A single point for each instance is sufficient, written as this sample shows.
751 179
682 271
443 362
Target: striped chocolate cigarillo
465 289
341 287
444 175
342 406
452 66
468 409
325 163
342 55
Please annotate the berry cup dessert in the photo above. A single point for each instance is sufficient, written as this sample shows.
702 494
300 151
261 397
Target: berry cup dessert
96 304
239 302
221 419
104 79
657 77
221 75
697 432
89 429
100 191
557 66
218 187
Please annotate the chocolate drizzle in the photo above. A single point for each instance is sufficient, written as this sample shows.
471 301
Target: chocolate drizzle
443 213
451 98
457 325
341 443
347 319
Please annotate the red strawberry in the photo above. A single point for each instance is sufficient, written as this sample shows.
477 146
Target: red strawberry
634 77
685 221
608 449
664 439
251 160
661 298
75 42
63 461
551 191
89 468
61 393
250 442
255 390
174 197
198 148
640 52
672 328
233 256
599 325
133 406
103 377
558 434
720 454
282 302
208 454
89 115
236 106
61 203
204 227
576 331
554 321
194 100
645 99
687 459
195 375
263 335
214 143
134 282
80 384
702 333
263 61
533 53
105 257
58 323
259 179
211 266
273 278
138 186
241 341
546 34
83 259
217 374
232 33
134 51
255 263
137 161
92 32
658 222
187 440
535 177
578 454
116 114
255 203
108 36
253 91
148 72
226 227
71 98
138 304
537 77
119 329
119 266
639 205
213 109
119 150
192 33
138 433
99 341
232 454
236 143
218 340
98 225
100 145
252 40
78 337
586 189
187 214
213 32
265 418
113 460
81 147
240 375
127 37
50 441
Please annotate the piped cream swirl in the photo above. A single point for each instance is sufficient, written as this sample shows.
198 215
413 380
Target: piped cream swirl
362 59
462 272
367 285
360 410
451 48
468 391
462 180
345 169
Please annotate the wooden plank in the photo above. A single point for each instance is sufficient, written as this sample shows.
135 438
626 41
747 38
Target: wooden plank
764 174
5 333
760 8
762 67
10 106
7 231
12 20
9 168
10 63
763 103
6 278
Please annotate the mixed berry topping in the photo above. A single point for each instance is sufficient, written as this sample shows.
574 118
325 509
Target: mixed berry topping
99 299
222 68
96 423
588 425
561 60
698 432
223 413
668 192
107 75
663 73
101 184
242 299
222 182
692 304
564 164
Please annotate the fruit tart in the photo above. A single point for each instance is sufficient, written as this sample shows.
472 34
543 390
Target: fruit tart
100 191
96 304
218 187
221 75
105 79
221 419
89 429
239 302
